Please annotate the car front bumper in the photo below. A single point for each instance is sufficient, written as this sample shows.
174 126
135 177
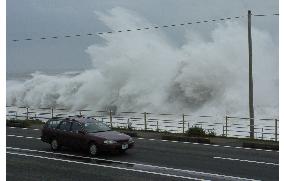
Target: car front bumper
116 146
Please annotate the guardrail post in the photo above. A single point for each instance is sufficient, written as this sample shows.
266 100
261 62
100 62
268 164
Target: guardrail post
157 126
27 113
226 126
183 123
51 112
262 133
128 124
110 118
145 120
276 130
223 130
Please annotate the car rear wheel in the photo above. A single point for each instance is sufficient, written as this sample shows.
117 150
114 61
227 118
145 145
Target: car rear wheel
93 149
54 145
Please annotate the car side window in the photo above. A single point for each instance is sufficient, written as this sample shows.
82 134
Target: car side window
53 123
65 126
76 127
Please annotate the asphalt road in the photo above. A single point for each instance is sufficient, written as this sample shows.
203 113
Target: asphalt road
28 158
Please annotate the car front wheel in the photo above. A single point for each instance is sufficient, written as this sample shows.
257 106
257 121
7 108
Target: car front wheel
54 145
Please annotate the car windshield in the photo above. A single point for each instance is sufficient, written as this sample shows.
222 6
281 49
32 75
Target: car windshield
93 127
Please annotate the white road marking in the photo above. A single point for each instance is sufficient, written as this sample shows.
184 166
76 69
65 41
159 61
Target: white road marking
105 166
249 161
29 137
205 144
133 163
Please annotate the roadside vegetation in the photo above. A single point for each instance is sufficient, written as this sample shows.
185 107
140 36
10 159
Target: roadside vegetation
23 123
199 132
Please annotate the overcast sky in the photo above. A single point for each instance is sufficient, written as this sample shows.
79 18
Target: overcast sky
35 19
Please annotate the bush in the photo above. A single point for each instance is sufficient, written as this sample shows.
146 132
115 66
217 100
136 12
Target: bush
211 133
196 131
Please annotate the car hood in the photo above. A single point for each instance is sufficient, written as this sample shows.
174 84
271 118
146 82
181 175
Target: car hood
111 135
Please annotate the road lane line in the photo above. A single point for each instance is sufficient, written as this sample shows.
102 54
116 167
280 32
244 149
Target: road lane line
205 144
105 166
29 137
249 161
133 163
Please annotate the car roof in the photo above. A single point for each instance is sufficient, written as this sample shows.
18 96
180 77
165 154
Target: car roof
81 119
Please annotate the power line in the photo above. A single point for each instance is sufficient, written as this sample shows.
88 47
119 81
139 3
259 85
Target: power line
141 29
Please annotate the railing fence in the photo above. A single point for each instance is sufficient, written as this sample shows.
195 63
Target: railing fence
227 126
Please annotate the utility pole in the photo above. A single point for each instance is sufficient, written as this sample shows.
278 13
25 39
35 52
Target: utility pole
251 111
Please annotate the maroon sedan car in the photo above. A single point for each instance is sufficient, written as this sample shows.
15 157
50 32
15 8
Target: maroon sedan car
84 133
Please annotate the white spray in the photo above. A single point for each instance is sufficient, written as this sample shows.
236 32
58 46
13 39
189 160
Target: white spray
144 71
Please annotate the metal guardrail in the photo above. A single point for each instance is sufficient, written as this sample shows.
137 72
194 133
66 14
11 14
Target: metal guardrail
178 123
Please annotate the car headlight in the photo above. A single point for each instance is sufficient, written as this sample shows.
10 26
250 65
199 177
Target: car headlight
109 142
130 140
